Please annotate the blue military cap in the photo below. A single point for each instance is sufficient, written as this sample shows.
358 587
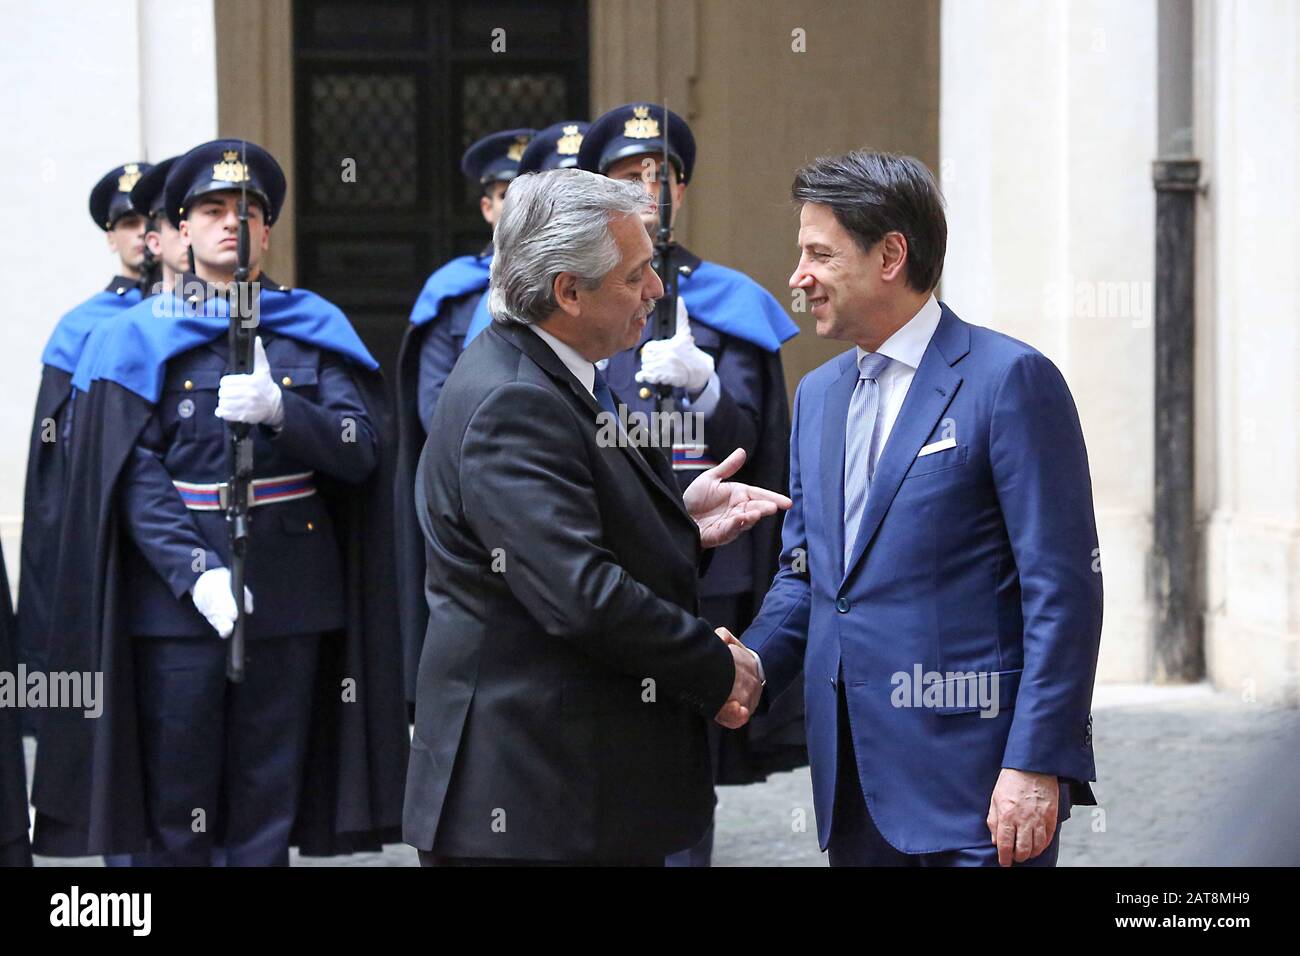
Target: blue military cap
225 165
110 200
555 147
147 195
495 157
634 130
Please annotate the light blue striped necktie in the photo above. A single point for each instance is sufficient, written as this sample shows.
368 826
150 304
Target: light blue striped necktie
861 444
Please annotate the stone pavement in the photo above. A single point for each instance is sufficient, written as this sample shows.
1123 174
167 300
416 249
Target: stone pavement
1170 761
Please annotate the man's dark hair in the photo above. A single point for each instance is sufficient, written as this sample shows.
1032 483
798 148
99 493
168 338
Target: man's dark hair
872 193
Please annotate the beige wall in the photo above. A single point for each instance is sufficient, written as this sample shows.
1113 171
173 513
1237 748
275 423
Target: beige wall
255 99
869 77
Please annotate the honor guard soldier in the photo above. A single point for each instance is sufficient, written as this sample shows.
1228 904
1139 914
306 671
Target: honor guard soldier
111 210
186 766
450 311
167 254
723 365
15 849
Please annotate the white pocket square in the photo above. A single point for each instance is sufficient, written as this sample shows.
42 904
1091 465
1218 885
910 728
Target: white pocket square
937 446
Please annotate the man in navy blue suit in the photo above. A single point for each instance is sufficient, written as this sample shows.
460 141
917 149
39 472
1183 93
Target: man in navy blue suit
939 578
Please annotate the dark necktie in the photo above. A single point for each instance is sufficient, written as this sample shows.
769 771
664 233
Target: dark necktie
604 397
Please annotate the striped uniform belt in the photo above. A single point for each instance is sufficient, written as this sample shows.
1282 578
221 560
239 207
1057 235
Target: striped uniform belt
691 456
265 491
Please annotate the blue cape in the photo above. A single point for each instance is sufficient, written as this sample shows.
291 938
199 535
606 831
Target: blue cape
134 349
733 303
460 276
69 337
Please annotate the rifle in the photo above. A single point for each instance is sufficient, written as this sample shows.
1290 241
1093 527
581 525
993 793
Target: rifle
665 317
239 437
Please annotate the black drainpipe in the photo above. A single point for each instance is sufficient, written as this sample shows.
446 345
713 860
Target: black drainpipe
1179 654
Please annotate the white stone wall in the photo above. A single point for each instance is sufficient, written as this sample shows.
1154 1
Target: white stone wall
88 84
1249 263
1047 133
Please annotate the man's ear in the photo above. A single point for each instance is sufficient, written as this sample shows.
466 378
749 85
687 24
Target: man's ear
153 242
566 293
185 230
266 238
893 251
485 207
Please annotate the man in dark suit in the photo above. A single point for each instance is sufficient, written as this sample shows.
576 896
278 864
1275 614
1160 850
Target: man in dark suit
566 682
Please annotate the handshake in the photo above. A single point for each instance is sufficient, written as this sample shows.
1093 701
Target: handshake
748 686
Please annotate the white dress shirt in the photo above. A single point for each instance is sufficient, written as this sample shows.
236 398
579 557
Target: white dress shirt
906 348
583 371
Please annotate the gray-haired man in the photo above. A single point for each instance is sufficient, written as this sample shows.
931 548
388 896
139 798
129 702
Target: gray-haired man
566 682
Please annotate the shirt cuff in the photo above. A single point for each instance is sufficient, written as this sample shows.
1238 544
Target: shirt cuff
759 661
707 400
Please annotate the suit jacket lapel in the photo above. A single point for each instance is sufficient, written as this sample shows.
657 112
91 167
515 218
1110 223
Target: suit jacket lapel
928 398
835 413
541 353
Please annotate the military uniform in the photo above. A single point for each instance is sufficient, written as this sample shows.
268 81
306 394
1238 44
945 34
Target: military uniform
15 850
741 327
46 478
450 311
278 758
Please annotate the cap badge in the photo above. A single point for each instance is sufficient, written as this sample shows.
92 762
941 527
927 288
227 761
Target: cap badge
230 169
130 176
570 142
517 148
642 125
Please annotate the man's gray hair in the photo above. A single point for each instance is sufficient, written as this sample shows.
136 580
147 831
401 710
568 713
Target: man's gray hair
554 222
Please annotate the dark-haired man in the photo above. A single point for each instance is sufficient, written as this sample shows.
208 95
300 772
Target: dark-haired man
937 581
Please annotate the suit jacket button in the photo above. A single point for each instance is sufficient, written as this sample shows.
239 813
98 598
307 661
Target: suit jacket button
842 605
645 392
189 386
286 381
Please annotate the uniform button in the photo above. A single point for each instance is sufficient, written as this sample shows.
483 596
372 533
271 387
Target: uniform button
286 381
645 392
832 683
189 386
842 605
310 526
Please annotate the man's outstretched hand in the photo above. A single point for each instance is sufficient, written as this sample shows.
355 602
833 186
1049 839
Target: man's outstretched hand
723 509
747 688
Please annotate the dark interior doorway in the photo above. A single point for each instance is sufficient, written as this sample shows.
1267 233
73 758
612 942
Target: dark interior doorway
400 88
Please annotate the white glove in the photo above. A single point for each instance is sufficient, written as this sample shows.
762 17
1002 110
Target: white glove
215 600
676 361
251 398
